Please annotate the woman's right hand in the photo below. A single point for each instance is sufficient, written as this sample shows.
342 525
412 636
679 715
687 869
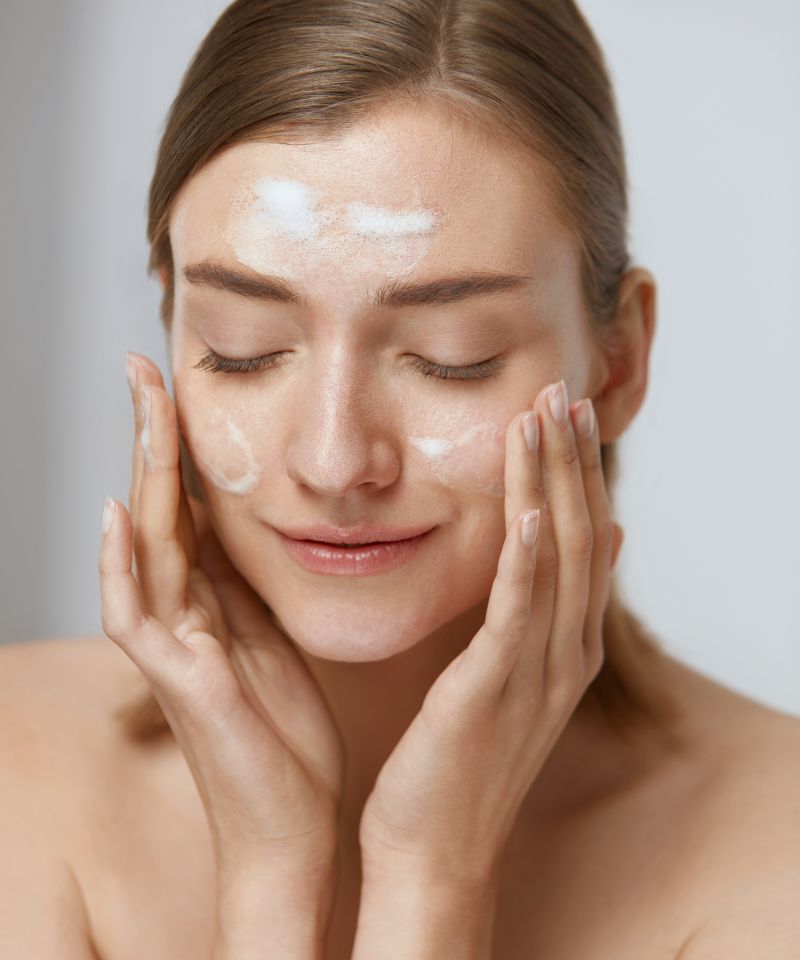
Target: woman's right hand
250 719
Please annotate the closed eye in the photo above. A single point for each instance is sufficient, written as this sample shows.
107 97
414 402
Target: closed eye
482 370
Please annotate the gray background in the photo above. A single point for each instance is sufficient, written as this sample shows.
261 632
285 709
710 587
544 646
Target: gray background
709 95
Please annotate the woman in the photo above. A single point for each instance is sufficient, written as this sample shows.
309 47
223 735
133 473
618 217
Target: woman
400 311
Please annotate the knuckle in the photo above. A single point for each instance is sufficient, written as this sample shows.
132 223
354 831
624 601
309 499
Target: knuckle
547 569
519 574
561 694
515 629
111 626
569 454
608 535
582 542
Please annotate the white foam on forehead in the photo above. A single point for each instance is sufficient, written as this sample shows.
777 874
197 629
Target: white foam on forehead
289 205
380 222
271 208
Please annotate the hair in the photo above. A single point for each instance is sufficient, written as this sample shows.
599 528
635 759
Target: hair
529 71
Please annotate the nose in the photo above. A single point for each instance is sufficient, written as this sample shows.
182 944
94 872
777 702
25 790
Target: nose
340 438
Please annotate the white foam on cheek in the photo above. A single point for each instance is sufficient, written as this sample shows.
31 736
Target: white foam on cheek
433 447
247 481
440 451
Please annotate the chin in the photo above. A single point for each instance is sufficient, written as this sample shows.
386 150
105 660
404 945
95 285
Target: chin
342 632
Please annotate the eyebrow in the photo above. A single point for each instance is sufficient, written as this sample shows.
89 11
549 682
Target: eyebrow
397 293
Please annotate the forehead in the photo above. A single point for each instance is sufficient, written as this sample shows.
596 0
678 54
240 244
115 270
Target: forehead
410 189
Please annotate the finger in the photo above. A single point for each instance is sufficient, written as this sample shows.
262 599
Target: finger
140 371
162 564
186 535
523 479
148 372
485 665
153 648
572 533
604 529
526 488
132 373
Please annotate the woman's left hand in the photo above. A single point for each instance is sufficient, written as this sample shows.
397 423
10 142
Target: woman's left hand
446 799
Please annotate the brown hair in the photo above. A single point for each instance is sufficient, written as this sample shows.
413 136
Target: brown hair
529 70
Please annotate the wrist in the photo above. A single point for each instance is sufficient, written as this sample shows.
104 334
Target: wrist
280 914
406 918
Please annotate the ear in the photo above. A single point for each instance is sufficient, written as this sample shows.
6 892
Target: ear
626 355
163 275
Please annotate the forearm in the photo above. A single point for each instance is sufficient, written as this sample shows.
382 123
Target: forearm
415 921
271 918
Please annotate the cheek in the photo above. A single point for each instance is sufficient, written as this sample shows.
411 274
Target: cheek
220 440
462 449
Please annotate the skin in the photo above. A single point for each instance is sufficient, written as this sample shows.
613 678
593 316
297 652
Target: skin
333 437
698 837
339 423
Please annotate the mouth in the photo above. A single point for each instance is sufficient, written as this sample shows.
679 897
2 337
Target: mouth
358 535
361 558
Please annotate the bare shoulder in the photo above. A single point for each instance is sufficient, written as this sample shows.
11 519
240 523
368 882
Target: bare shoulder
742 829
50 674
52 694
55 695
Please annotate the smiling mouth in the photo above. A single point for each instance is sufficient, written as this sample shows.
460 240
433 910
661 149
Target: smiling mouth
369 543
351 544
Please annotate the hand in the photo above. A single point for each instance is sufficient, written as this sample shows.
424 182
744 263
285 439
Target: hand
446 799
254 728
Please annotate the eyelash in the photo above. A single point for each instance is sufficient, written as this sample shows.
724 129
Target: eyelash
214 363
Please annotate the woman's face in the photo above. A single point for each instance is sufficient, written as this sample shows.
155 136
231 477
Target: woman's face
345 427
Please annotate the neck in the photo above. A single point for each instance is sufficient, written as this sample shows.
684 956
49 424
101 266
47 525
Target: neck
374 702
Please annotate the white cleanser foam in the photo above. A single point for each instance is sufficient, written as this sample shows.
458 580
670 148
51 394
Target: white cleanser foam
240 450
270 211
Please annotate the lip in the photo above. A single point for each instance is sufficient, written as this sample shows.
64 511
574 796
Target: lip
361 533
376 557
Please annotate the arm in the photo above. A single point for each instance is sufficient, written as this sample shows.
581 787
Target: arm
415 920
271 915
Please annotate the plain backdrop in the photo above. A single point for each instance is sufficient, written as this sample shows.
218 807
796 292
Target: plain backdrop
709 94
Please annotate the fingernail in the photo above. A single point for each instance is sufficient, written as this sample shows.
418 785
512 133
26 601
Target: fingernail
584 417
130 371
558 402
530 527
530 429
109 509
